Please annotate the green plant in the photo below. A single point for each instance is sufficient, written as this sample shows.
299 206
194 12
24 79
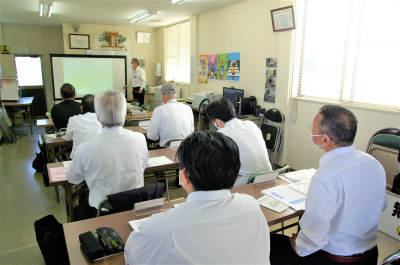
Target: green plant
121 39
104 37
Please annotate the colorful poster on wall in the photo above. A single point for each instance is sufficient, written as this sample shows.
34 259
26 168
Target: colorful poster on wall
234 66
222 66
212 66
270 79
203 67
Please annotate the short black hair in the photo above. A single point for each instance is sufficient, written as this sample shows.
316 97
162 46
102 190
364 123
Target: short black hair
135 60
67 91
88 104
339 123
211 160
221 109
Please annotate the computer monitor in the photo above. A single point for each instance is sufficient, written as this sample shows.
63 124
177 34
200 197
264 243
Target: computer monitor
232 94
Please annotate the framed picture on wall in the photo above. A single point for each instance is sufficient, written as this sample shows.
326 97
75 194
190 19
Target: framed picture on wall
283 19
79 41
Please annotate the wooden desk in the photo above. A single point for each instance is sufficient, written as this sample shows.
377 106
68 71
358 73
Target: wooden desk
49 122
119 221
56 147
170 170
46 123
22 102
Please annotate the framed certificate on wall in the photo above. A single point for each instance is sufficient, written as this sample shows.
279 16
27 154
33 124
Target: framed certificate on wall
283 18
79 41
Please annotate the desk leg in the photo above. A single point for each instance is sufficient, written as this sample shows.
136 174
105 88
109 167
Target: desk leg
68 201
57 194
30 119
52 156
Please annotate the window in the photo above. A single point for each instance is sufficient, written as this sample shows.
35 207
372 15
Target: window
348 51
178 52
29 70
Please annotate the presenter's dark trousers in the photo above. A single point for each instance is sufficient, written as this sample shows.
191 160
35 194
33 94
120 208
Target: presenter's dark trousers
137 95
282 253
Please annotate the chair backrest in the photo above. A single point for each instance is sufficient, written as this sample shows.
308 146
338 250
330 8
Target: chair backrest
48 114
168 144
280 170
124 201
134 103
392 258
386 140
386 131
272 126
145 107
135 122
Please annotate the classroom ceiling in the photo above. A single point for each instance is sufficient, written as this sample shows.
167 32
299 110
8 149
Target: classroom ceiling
111 12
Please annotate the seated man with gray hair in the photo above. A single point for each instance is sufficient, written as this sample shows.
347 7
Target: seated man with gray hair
344 201
112 161
172 120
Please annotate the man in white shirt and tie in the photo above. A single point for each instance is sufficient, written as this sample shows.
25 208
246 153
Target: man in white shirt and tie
112 161
344 201
253 152
138 81
213 226
83 127
172 120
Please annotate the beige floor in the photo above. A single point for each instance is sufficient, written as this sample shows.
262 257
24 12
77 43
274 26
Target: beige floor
24 199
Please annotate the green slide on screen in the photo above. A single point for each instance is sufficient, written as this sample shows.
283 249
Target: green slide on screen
88 76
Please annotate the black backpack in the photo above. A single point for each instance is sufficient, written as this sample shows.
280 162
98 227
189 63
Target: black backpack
396 181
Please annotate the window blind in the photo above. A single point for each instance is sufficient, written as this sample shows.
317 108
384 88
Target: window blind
349 51
178 52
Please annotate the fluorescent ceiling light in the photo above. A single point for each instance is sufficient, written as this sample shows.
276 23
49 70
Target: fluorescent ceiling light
178 1
45 9
50 9
41 9
143 16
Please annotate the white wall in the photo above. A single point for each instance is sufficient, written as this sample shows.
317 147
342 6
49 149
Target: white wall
246 28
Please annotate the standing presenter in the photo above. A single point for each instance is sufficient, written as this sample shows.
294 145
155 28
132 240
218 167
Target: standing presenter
138 81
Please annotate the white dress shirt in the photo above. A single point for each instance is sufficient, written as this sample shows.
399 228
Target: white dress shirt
138 78
253 152
344 203
170 121
211 227
82 128
111 162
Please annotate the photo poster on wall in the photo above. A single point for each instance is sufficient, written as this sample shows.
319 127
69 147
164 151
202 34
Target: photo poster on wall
222 66
203 67
234 66
212 66
142 63
270 79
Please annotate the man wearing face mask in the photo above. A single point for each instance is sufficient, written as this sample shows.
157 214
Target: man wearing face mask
252 149
138 81
344 201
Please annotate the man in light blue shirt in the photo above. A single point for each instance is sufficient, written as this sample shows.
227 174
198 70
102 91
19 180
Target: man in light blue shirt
344 201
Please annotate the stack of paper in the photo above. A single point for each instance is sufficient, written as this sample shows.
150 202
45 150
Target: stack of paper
298 176
288 196
273 204
66 164
136 224
159 161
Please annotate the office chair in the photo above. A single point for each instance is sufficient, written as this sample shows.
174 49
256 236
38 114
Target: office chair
125 200
280 170
272 126
392 259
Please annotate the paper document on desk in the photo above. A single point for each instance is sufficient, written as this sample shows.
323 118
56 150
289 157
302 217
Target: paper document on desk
67 163
159 161
298 176
288 196
301 186
51 135
145 128
136 224
57 173
144 123
272 204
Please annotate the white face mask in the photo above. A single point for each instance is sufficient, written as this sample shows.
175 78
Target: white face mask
215 124
312 139
180 183
133 68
